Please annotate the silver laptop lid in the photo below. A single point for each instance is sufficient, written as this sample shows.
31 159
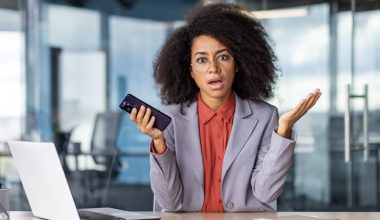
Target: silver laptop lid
43 179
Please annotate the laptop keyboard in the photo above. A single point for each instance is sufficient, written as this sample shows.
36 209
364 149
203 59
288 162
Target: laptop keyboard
88 215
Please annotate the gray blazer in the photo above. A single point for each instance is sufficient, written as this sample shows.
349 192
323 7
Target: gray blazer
255 165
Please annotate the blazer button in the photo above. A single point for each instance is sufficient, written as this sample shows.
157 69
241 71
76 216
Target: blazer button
230 205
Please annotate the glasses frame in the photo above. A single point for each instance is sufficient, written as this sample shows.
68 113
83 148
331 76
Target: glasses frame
209 64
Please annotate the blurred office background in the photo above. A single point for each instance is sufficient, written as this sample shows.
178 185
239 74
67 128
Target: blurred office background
66 64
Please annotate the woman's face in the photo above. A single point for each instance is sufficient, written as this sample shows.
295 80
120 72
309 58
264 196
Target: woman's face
212 68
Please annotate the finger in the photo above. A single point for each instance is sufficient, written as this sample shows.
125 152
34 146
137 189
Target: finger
133 114
140 114
319 94
151 122
301 106
316 90
305 105
311 103
314 93
292 113
298 106
313 100
146 117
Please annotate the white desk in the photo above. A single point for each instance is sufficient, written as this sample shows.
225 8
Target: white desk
17 215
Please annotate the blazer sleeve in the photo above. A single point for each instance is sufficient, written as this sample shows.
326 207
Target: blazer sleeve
274 159
164 174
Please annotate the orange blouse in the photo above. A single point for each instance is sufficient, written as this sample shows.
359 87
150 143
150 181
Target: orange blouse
214 131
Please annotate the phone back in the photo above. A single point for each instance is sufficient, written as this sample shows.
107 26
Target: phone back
130 101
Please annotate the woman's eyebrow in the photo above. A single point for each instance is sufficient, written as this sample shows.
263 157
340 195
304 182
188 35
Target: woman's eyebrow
200 53
205 53
222 50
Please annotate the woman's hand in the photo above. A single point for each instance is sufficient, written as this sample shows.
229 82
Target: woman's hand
288 119
145 124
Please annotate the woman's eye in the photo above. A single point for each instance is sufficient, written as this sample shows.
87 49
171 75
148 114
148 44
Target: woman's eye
224 57
201 60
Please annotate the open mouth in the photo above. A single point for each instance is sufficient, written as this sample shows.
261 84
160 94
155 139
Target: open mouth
215 84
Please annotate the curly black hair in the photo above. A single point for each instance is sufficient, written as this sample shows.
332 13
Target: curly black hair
239 31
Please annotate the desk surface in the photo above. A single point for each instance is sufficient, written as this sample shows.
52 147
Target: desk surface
18 215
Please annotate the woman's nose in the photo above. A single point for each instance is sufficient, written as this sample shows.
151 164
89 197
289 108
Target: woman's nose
213 67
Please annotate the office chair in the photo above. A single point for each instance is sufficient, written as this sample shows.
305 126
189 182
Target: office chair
104 139
61 142
105 153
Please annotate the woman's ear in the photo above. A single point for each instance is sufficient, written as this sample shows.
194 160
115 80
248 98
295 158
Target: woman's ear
236 69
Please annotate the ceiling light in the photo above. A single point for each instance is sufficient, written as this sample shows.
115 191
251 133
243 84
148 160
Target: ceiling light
280 13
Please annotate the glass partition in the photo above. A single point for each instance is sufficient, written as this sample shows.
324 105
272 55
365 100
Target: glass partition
332 46
133 46
12 89
302 47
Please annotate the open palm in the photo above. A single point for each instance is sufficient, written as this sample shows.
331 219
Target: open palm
288 119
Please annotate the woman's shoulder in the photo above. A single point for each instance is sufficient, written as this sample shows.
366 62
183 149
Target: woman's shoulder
255 104
178 110
263 106
173 110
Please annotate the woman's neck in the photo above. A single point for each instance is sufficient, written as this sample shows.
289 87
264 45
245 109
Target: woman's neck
215 103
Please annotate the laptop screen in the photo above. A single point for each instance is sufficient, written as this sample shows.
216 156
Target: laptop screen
43 180
46 186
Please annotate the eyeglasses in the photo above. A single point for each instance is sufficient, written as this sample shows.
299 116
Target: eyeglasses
202 64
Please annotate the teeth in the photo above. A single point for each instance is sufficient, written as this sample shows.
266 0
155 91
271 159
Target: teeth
216 81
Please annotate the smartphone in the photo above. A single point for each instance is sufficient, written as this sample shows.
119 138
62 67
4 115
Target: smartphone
130 101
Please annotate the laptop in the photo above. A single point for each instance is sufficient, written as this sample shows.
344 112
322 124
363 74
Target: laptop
46 186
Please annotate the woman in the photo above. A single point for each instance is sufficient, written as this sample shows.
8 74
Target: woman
225 149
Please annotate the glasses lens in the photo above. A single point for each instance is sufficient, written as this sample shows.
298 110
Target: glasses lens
203 65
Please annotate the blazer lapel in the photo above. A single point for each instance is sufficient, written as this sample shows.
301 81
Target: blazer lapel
242 128
188 128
